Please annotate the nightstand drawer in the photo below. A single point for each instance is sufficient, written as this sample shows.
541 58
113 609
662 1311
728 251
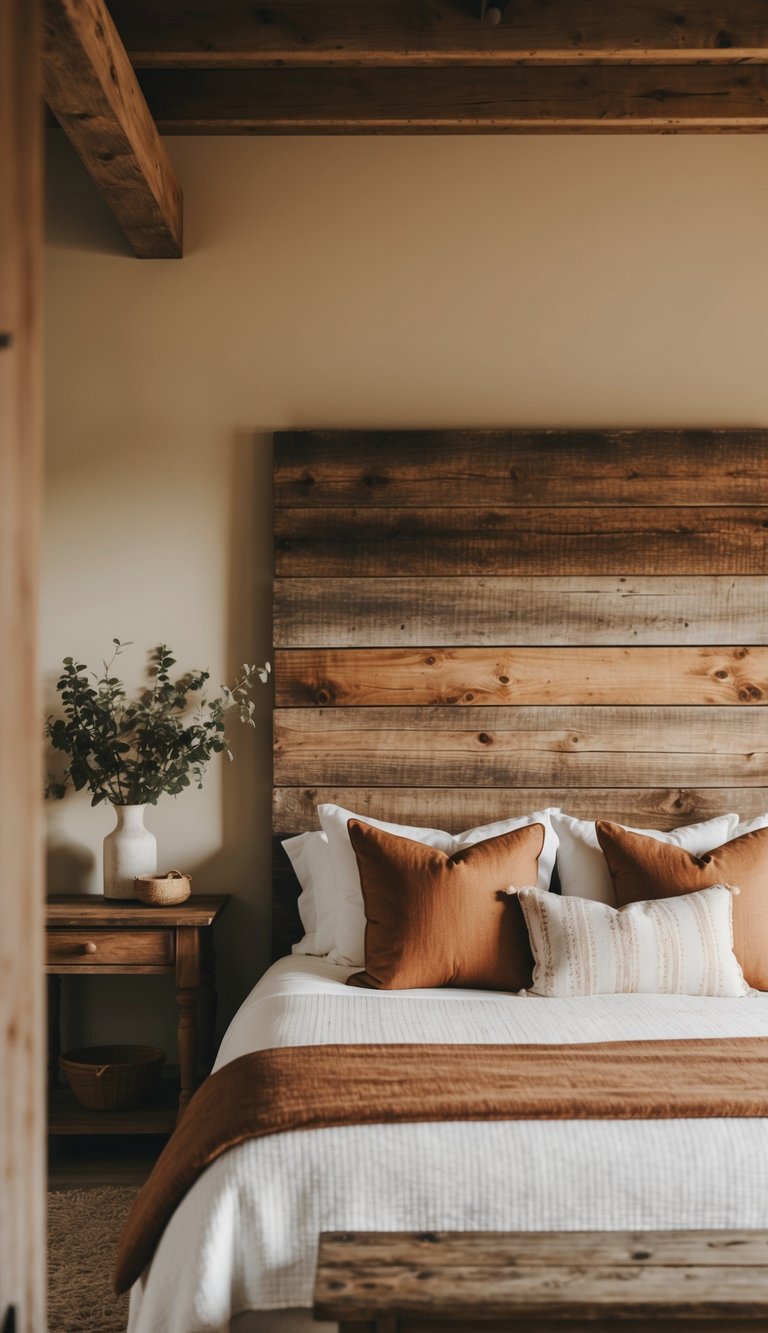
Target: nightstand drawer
93 947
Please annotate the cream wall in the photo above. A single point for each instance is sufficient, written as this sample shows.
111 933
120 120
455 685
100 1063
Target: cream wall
342 282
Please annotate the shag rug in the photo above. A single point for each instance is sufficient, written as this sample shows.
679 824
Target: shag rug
83 1228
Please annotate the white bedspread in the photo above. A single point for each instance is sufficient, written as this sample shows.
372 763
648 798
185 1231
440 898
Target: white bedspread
245 1237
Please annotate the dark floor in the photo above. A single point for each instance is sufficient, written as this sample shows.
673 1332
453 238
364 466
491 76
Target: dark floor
101 1159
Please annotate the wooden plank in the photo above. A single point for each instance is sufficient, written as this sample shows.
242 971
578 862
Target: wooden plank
365 677
520 612
234 33
445 541
423 469
77 910
90 86
737 1248
529 747
455 99
459 808
22 1016
564 1292
674 1323
445 1278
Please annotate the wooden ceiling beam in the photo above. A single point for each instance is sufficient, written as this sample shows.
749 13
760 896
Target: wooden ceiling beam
92 90
547 99
241 34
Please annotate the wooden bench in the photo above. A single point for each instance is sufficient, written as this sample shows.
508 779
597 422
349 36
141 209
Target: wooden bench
544 1282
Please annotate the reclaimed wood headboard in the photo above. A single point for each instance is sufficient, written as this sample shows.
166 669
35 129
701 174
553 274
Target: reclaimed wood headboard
471 624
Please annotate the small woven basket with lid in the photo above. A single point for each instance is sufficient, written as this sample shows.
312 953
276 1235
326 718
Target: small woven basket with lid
163 890
112 1078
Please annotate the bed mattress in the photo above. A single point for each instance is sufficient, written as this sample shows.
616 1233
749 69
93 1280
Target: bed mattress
245 1237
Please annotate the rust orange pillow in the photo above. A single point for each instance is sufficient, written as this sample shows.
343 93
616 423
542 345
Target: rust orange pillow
643 869
439 920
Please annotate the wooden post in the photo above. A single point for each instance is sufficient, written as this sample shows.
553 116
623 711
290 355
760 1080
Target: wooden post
22 1024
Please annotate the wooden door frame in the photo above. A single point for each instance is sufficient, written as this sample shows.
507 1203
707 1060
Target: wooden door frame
22 1023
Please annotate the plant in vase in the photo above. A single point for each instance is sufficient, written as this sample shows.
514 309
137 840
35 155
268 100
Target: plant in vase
131 752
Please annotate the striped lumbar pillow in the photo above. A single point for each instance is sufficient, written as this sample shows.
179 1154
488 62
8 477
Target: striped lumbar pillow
673 946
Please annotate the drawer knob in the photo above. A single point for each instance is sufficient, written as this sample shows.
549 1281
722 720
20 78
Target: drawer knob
89 947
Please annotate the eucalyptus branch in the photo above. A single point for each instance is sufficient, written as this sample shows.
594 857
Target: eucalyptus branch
132 752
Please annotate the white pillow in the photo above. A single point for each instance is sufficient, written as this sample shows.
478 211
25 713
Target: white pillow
349 927
310 857
583 869
750 826
671 946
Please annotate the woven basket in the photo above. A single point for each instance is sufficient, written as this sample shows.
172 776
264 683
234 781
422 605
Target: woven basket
112 1078
163 890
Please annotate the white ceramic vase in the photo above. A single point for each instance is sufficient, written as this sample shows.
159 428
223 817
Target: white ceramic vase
129 850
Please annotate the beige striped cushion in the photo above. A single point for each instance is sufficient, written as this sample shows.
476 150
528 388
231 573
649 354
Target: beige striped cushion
673 946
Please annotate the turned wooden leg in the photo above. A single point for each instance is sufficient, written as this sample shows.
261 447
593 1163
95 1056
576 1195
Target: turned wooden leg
188 998
208 1005
186 1036
54 1029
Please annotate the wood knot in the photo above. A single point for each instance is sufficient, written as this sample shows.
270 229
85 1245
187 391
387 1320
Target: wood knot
503 680
430 661
322 696
749 693
484 738
721 675
372 479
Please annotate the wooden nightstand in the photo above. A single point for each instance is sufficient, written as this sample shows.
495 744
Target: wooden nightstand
97 935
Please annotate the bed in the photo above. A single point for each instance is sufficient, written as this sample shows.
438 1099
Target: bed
470 625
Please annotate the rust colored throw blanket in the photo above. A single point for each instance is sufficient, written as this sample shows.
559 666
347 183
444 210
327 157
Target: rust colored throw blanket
316 1087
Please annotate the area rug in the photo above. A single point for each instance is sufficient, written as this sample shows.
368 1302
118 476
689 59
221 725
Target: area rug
83 1227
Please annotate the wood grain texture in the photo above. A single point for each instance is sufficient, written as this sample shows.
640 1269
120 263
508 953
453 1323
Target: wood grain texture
676 98
234 33
384 543
365 677
540 1249
94 910
475 624
22 1013
445 1277
525 747
676 1323
91 87
521 611
103 947
457 808
427 469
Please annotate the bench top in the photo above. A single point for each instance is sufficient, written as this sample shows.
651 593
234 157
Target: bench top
559 1276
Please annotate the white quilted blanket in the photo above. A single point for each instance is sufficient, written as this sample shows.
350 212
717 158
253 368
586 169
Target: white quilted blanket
245 1237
